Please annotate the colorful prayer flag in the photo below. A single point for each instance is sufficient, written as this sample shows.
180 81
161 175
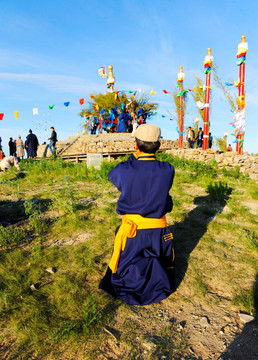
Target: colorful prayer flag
16 114
66 103
1 116
81 101
102 71
35 111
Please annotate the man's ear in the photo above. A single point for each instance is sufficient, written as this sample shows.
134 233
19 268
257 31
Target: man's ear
136 145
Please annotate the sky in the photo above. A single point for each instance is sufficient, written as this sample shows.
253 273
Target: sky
50 52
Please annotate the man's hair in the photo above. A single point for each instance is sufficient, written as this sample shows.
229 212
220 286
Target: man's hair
148 147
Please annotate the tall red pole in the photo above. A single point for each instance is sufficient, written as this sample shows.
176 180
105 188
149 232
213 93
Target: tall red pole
180 80
207 70
241 55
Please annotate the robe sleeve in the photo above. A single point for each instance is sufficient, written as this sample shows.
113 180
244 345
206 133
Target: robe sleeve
115 176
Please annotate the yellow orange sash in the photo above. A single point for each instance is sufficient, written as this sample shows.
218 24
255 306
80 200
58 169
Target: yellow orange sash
130 224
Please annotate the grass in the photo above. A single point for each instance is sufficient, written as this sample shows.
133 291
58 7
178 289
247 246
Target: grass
51 200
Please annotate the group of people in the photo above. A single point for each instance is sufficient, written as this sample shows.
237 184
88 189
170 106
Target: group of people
198 139
120 120
17 148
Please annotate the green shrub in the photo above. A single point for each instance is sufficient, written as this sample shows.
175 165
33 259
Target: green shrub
64 200
245 300
10 235
218 191
106 167
234 172
251 238
200 168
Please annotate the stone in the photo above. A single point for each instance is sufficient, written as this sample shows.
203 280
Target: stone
148 345
51 270
34 287
183 323
204 321
246 318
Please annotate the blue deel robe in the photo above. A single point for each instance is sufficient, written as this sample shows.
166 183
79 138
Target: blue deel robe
145 271
32 143
121 123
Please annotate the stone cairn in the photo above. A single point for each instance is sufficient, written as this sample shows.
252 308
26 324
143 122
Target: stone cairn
121 143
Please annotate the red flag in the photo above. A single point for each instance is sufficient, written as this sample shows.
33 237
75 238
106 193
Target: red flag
1 116
166 92
81 101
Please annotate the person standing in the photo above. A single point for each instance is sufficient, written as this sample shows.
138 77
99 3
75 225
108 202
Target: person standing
210 140
53 140
1 153
189 137
14 148
135 122
121 122
20 148
199 138
11 147
192 138
31 144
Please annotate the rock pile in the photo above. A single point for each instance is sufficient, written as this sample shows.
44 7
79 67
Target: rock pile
121 143
100 144
247 163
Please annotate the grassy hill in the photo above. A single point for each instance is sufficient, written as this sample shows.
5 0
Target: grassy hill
56 239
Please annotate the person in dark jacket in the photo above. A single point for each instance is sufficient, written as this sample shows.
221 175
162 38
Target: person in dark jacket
11 147
53 140
199 138
31 145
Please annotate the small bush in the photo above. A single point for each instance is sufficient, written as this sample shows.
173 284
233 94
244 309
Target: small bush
234 172
64 200
106 167
10 236
199 168
218 191
251 238
245 301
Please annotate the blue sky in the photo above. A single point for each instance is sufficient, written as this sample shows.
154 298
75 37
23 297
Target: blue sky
50 52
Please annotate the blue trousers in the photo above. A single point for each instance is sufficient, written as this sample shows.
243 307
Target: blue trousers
52 147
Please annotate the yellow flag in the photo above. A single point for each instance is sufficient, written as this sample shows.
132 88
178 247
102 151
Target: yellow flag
16 114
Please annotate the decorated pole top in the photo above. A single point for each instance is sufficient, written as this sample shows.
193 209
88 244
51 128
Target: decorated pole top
208 57
208 62
181 75
111 78
197 119
242 48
